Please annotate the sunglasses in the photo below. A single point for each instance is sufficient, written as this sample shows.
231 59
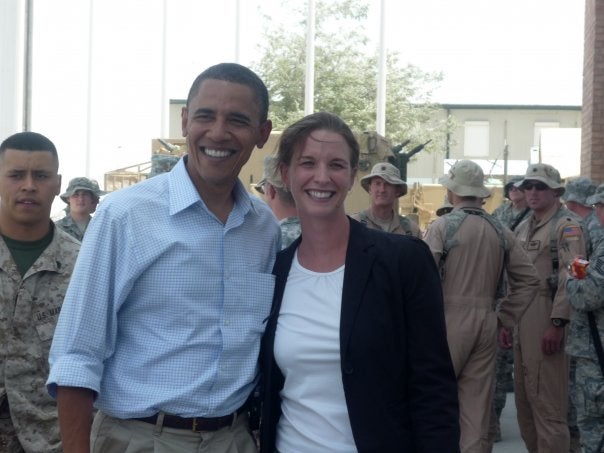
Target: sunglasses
540 186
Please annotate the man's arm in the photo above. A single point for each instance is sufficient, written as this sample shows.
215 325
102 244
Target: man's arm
75 418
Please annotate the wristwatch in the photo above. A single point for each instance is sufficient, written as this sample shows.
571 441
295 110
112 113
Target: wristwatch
559 322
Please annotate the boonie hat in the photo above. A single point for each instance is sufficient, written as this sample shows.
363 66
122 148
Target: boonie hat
82 183
270 174
466 179
597 197
544 173
508 185
388 173
579 190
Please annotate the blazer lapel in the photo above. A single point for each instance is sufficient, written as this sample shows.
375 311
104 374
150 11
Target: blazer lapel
360 255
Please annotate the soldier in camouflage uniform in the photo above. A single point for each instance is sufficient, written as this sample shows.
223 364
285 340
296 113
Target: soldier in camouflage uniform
384 185
577 192
280 201
36 262
82 197
586 298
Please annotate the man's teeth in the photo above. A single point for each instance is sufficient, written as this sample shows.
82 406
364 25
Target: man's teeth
217 152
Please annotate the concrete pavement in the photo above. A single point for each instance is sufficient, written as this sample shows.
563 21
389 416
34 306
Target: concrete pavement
511 442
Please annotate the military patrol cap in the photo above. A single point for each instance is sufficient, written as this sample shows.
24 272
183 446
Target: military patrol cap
388 173
597 197
508 185
270 174
544 173
466 179
579 190
82 183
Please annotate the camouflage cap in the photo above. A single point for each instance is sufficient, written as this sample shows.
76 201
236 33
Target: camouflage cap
388 173
597 197
270 174
82 183
511 182
579 190
466 179
544 173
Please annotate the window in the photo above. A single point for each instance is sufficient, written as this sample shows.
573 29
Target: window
476 139
539 126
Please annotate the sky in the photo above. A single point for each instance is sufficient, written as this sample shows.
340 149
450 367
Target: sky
512 52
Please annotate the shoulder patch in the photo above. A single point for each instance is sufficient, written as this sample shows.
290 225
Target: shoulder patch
571 231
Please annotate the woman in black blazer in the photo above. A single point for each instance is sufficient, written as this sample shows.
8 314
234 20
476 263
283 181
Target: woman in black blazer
355 356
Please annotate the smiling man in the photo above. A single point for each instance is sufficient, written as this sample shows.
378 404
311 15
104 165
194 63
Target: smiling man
36 261
161 327
384 185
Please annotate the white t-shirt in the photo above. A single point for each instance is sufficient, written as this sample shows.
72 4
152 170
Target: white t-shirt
307 349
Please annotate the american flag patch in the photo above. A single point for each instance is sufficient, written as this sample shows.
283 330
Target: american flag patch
571 231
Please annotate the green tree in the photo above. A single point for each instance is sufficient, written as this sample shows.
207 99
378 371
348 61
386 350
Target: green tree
345 74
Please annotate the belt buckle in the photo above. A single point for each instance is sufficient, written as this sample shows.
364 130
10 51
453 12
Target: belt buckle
194 427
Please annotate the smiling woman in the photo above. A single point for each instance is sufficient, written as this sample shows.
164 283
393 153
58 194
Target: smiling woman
356 313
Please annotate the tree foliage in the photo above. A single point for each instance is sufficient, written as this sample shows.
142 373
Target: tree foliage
345 73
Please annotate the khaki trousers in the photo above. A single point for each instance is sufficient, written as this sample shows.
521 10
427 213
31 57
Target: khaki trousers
540 384
471 333
112 435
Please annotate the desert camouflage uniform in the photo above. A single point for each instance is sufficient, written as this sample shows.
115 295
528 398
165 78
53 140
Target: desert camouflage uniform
69 225
290 230
398 225
29 309
588 395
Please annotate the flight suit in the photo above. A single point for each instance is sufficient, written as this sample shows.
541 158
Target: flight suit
472 271
540 380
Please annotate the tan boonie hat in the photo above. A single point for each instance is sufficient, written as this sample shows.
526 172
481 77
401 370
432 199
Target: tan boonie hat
388 173
82 183
270 174
466 179
544 173
579 190
597 197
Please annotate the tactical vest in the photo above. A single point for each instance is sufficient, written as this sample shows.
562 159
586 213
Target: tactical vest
453 221
404 222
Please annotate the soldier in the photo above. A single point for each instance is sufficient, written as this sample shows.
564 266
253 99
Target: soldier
467 243
82 197
552 237
577 192
280 201
575 197
513 211
36 261
384 185
585 332
510 213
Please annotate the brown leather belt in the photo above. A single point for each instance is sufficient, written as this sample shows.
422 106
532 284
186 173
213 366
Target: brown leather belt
195 424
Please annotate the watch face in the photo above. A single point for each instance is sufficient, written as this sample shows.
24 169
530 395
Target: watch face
557 322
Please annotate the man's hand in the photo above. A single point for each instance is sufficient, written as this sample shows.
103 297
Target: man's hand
506 339
553 340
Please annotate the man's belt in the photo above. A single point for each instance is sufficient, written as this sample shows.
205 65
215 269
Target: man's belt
195 424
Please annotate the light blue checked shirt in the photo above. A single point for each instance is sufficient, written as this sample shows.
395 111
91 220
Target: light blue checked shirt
166 304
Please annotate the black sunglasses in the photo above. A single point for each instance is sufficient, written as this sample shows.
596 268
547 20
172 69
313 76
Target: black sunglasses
540 186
